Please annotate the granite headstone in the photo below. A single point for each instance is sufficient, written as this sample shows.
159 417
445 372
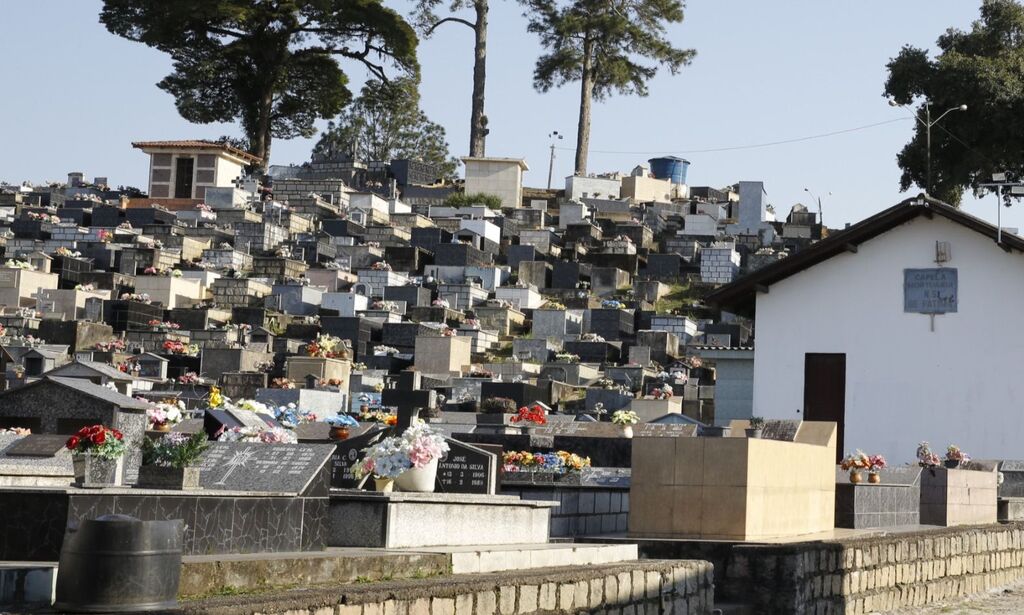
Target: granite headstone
259 467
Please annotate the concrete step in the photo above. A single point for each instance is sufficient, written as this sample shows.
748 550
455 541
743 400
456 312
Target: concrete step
483 559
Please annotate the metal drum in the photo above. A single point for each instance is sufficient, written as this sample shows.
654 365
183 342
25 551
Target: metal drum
120 564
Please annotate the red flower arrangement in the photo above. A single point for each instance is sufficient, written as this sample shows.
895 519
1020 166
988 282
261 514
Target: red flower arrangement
103 441
535 415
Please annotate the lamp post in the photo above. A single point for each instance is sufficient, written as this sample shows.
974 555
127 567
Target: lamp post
818 199
928 123
554 135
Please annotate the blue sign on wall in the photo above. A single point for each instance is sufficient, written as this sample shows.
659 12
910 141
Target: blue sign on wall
930 291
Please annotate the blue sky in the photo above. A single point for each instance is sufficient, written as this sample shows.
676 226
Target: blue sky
765 72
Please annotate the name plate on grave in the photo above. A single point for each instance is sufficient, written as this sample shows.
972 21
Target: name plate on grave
579 429
37 445
467 469
254 466
665 430
780 429
930 291
347 452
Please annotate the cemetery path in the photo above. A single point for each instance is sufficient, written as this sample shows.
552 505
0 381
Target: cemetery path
1004 600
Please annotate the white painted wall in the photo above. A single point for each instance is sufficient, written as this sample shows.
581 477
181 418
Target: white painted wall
577 187
904 383
502 177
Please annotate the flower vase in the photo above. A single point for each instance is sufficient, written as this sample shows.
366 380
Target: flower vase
952 464
163 427
627 431
95 472
855 477
753 433
339 433
419 480
384 485
874 478
163 477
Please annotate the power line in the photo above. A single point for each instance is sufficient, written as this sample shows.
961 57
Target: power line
752 146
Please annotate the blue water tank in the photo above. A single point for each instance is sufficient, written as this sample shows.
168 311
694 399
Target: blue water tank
671 168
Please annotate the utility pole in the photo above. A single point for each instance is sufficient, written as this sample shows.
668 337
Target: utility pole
928 123
554 136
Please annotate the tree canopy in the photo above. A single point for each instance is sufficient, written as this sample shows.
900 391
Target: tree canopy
982 67
603 44
384 123
271 65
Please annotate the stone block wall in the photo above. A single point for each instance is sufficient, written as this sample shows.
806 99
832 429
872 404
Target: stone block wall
860 576
242 292
630 587
719 263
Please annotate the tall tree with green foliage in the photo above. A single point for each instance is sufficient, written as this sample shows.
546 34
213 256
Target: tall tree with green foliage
384 123
273 65
603 44
427 20
982 67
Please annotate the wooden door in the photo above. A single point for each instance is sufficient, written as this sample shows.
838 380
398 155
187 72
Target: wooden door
183 178
825 392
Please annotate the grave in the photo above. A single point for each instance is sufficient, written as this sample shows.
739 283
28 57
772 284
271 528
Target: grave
735 488
255 498
648 409
322 402
959 496
896 501
594 352
37 460
55 405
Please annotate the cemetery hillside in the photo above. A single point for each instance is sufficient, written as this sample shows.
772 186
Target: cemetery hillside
389 378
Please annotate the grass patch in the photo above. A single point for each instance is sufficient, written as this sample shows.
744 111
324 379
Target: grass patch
680 297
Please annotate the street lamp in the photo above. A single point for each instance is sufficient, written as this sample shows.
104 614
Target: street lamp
554 135
928 123
999 184
817 198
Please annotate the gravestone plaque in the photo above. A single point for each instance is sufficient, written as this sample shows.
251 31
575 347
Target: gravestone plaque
467 469
665 430
37 445
579 429
605 477
930 291
347 452
780 429
248 418
254 466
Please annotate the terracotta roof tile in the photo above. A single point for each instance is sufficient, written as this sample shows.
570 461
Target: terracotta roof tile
197 144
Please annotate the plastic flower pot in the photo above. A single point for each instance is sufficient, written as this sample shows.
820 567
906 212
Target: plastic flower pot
627 431
874 478
753 433
855 477
952 464
384 485
419 480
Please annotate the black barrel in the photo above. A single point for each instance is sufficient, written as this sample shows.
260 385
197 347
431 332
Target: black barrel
120 564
